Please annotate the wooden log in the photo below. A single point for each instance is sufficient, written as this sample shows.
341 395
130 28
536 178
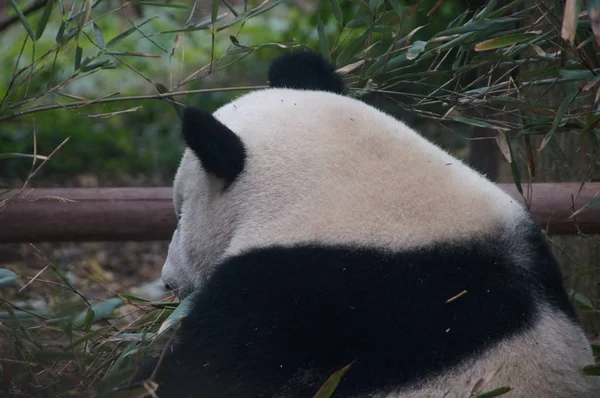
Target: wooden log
143 214
88 214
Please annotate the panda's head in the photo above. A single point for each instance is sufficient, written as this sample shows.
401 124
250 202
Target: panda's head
301 163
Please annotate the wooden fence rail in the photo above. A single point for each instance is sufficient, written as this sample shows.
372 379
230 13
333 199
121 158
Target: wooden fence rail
142 214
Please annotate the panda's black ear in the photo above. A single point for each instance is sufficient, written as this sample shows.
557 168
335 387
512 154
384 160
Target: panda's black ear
219 149
305 70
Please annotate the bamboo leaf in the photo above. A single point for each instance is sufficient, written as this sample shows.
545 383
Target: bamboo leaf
478 27
166 5
23 19
107 64
593 8
177 315
98 35
192 12
78 55
495 393
592 370
349 68
44 19
584 302
504 41
7 278
322 37
558 118
570 20
594 202
375 4
337 11
395 4
514 168
97 312
131 297
437 4
86 337
330 385
416 49
486 11
214 10
60 33
129 31
22 155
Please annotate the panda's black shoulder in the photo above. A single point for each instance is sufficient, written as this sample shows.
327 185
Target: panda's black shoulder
279 319
305 70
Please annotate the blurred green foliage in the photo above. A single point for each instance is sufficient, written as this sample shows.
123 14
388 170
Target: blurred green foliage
146 141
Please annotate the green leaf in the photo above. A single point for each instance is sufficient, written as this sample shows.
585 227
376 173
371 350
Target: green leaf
322 37
584 302
351 49
495 393
595 349
478 27
86 337
587 271
204 25
505 41
7 278
177 315
129 31
78 54
514 167
214 10
559 117
594 202
592 370
337 11
330 385
395 4
486 11
61 32
98 35
106 64
375 4
44 19
127 352
416 49
358 22
126 296
97 312
159 4
23 19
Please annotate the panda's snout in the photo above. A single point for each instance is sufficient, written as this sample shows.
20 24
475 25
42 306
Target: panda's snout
169 284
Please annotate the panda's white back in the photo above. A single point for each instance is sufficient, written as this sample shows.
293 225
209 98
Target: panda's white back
361 176
316 232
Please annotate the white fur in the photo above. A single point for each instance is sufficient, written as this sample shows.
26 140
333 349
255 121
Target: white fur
326 168
393 184
553 348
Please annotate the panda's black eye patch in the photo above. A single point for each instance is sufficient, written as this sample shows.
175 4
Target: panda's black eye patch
220 151
305 70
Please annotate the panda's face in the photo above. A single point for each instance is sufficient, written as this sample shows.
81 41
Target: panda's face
205 222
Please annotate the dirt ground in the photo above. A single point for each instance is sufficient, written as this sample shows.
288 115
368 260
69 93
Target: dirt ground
100 269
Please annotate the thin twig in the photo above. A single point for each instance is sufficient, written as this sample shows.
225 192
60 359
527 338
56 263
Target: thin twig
130 98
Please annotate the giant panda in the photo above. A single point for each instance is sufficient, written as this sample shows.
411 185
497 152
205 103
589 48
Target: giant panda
317 233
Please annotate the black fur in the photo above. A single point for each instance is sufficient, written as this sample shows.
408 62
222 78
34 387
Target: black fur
219 149
305 70
282 319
